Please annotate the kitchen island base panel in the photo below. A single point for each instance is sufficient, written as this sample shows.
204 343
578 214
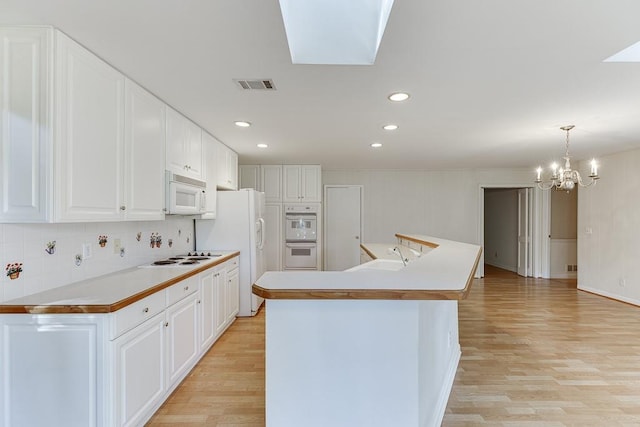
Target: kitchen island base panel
359 362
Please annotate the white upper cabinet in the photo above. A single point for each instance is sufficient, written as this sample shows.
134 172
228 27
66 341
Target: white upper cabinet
89 135
184 146
144 151
25 123
210 150
302 183
227 168
271 177
249 176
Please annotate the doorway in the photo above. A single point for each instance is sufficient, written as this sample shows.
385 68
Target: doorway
342 226
513 229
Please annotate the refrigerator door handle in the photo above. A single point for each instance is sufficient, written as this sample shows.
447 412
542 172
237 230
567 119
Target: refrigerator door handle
262 231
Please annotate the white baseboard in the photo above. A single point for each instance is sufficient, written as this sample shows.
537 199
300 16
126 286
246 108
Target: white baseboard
610 295
445 391
502 266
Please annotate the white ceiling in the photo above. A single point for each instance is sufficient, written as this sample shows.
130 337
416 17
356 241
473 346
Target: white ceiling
491 81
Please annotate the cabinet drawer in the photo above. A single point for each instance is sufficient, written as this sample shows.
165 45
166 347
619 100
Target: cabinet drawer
181 289
231 264
136 313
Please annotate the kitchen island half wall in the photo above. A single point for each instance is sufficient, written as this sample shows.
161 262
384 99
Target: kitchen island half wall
375 345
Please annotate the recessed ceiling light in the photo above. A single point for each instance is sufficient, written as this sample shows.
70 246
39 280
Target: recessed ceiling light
390 127
376 145
242 124
398 96
263 146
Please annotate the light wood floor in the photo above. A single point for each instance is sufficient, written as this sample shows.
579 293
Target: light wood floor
534 353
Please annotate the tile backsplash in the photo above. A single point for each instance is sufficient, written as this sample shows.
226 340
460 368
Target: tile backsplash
51 255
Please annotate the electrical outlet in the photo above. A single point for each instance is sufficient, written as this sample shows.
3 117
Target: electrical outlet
117 245
87 251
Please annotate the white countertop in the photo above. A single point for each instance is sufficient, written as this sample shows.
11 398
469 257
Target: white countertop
111 290
449 267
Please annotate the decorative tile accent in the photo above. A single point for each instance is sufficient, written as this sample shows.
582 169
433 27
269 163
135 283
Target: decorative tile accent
138 235
51 247
170 242
78 259
102 241
13 270
155 240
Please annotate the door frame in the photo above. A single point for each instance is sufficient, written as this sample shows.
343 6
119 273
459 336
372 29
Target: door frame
325 215
540 228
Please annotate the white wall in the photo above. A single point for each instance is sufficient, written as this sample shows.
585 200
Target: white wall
501 228
608 256
26 244
438 203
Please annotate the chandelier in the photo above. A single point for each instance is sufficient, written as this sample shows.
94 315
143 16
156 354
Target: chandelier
565 179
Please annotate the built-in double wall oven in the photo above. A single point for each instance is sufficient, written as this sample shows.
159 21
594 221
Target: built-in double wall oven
301 242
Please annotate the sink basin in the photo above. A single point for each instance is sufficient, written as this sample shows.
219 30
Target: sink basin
380 264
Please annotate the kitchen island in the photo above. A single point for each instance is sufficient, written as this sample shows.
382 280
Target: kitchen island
375 345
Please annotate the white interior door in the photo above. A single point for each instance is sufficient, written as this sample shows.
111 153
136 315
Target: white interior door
343 226
525 213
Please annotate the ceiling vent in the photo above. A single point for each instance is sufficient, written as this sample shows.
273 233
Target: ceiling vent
258 84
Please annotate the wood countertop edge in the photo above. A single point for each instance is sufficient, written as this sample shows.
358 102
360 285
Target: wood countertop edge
110 308
368 252
360 294
418 241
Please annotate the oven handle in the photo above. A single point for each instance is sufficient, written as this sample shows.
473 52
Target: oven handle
297 217
301 245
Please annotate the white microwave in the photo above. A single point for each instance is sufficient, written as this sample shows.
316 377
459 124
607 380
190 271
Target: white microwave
184 195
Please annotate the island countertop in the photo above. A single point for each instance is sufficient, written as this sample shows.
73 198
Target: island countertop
108 293
445 272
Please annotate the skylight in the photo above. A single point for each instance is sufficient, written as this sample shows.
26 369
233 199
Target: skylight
630 54
335 31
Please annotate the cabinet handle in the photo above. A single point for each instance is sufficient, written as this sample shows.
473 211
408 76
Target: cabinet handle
145 310
123 208
199 301
186 288
166 324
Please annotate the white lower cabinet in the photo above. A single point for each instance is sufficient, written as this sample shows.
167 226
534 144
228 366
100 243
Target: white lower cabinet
111 369
233 295
182 338
139 380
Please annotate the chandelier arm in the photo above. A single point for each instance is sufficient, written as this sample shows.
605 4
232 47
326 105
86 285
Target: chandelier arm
547 186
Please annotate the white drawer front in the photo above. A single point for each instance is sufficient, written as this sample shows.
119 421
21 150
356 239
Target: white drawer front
181 289
136 313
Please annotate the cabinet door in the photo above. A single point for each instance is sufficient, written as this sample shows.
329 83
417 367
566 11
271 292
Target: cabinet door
233 295
274 238
182 338
271 177
210 150
291 179
89 137
25 127
311 187
227 168
143 154
249 176
193 149
207 309
232 169
139 382
184 146
221 301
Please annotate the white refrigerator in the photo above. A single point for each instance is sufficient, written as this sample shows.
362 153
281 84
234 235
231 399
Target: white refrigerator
239 225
